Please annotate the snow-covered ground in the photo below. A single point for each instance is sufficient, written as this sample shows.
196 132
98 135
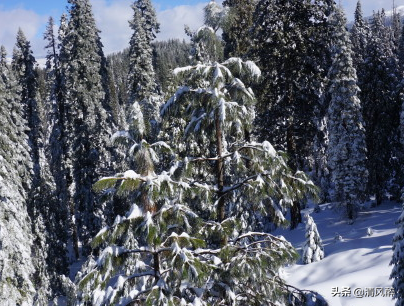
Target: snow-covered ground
357 265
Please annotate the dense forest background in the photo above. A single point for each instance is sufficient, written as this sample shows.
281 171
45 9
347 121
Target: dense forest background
160 185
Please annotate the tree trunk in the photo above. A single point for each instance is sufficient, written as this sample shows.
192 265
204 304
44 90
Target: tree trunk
219 169
295 210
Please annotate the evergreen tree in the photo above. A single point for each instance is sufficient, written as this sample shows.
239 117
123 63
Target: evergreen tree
142 79
167 56
360 35
380 106
168 255
23 64
118 65
313 248
41 197
347 146
206 46
214 15
87 122
17 263
400 91
397 273
395 27
237 27
291 46
57 215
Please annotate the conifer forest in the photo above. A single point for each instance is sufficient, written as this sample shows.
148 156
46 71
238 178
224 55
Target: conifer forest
170 173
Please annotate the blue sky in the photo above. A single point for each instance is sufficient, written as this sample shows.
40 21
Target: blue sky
112 18
50 7
57 6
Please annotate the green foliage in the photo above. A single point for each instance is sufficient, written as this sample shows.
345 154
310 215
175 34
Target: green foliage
181 252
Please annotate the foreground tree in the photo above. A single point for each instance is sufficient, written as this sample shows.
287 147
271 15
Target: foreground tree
197 244
347 145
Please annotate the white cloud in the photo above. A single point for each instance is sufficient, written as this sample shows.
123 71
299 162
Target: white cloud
172 21
113 21
28 21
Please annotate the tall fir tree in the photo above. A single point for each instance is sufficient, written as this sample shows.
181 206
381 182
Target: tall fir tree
291 40
360 35
142 80
23 64
17 263
87 121
58 215
237 27
206 46
381 105
347 145
41 195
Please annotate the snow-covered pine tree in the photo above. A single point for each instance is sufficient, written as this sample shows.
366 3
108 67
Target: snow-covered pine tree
87 121
360 34
167 56
206 47
57 215
313 248
142 80
291 48
400 57
397 261
214 15
347 145
173 256
237 27
219 126
41 194
17 263
23 64
381 105
396 26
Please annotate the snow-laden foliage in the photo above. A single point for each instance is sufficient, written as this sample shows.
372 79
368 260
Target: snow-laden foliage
237 26
381 106
189 238
214 15
313 248
85 121
164 260
218 112
16 239
397 274
206 46
359 35
347 146
41 201
143 92
291 46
